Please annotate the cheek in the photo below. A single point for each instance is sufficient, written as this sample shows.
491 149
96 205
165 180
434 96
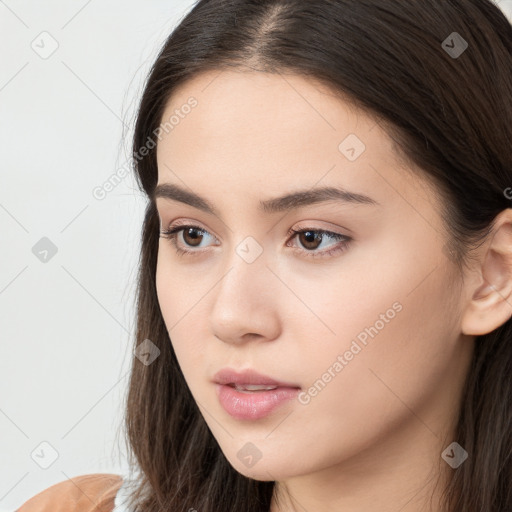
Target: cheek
181 302
394 347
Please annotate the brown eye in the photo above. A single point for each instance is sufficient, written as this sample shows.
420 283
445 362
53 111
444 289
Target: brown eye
310 239
191 237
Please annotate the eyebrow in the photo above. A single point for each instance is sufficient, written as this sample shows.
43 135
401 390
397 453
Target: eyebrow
285 203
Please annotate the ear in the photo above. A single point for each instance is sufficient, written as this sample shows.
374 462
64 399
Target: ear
490 287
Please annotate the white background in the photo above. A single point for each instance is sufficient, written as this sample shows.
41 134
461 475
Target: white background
67 324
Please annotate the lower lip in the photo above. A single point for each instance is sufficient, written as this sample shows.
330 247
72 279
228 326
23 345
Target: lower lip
254 404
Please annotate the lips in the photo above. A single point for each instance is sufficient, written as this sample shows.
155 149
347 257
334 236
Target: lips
247 379
254 405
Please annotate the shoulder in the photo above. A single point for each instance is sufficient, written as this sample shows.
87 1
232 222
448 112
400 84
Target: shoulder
93 492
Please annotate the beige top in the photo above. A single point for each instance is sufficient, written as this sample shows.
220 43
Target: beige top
95 492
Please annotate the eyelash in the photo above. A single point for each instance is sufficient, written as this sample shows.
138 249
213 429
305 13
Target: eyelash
344 240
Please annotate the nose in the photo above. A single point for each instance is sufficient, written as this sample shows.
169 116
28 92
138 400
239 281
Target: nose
246 306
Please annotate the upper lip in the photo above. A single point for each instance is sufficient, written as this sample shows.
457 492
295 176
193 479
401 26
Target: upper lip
249 376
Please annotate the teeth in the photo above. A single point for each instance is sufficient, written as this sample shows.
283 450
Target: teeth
253 387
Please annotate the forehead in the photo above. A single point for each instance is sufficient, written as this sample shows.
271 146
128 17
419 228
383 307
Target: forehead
252 130
264 104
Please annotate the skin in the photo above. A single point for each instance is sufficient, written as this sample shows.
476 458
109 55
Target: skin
375 433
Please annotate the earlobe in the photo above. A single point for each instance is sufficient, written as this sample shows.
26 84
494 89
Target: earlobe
490 303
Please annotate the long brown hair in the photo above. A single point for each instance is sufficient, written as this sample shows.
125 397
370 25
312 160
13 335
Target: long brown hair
449 114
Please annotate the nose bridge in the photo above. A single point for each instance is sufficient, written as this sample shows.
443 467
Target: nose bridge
245 300
248 274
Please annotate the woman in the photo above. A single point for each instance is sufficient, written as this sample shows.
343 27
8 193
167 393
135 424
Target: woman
325 282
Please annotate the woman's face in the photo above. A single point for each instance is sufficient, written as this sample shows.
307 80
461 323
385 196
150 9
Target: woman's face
364 319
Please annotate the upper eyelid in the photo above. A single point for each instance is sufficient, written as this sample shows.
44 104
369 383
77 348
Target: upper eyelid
187 223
